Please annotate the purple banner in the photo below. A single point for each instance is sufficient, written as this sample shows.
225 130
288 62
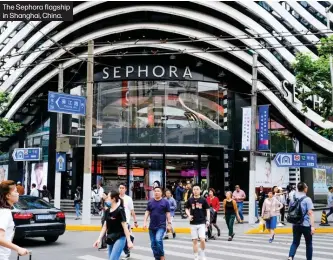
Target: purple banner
263 144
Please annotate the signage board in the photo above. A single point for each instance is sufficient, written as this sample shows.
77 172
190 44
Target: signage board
27 154
296 160
65 103
61 162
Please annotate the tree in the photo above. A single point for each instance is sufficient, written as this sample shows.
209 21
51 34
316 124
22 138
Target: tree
315 75
7 127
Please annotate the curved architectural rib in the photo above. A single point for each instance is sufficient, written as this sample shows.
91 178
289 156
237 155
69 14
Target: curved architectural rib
222 62
221 25
307 16
8 31
40 34
173 29
276 25
300 28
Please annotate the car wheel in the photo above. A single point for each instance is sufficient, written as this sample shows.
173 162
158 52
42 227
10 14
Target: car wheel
51 239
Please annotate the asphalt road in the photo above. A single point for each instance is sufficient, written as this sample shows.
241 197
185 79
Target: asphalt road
78 245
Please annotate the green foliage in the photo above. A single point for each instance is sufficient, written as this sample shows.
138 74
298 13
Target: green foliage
7 127
315 74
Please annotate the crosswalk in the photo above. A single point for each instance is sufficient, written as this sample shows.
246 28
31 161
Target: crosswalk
251 247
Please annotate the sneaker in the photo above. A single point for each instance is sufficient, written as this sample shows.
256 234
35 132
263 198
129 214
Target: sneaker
218 232
271 239
280 225
127 256
196 256
230 239
232 236
166 237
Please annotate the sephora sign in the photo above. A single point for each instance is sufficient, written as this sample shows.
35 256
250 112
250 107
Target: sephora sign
147 72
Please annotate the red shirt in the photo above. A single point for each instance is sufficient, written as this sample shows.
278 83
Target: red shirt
214 203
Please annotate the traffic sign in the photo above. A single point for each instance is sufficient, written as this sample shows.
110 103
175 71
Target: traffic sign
67 104
296 160
61 162
27 154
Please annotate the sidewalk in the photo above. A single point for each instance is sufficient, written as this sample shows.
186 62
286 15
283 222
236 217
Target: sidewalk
183 226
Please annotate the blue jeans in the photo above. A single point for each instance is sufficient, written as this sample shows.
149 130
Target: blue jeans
77 209
298 231
156 239
256 210
240 210
115 250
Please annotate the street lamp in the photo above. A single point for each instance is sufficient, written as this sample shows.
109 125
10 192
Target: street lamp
331 60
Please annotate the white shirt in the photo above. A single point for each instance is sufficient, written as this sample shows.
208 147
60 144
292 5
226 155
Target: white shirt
6 224
34 192
129 206
101 192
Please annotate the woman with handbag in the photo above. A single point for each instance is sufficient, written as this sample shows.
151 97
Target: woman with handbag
270 211
214 203
116 228
230 211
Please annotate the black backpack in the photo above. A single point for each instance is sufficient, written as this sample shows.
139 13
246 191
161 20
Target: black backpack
295 213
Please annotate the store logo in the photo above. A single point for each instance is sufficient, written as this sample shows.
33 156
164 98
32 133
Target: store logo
145 71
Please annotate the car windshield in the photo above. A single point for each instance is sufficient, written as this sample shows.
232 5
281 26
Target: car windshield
26 203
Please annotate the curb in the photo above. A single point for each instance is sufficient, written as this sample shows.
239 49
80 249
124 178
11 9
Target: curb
179 230
320 230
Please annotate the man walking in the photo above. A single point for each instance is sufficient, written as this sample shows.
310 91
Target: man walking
198 212
173 206
330 201
179 197
34 192
159 211
129 211
239 196
306 226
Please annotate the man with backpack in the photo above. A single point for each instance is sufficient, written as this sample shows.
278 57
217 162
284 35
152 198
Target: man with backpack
300 214
95 199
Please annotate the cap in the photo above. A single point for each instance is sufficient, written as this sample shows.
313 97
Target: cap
18 182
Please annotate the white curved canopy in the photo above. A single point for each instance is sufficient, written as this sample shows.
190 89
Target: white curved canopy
222 62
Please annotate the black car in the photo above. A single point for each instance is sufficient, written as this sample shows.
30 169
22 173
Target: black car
34 217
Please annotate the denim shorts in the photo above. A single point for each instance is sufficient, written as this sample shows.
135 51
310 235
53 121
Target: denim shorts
271 223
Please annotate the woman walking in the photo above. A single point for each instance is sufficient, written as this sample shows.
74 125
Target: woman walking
8 197
231 212
214 203
270 211
116 228
77 202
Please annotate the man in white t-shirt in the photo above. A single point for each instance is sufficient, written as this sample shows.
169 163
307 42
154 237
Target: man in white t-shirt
34 192
129 211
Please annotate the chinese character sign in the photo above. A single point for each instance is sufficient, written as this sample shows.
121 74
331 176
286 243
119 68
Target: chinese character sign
263 143
246 128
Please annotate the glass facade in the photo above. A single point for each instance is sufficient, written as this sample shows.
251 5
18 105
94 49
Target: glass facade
161 112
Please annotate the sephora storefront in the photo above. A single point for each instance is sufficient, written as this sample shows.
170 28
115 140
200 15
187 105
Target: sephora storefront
159 123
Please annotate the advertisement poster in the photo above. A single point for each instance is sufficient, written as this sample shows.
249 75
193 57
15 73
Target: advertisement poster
322 179
3 173
263 142
246 128
155 180
39 174
269 175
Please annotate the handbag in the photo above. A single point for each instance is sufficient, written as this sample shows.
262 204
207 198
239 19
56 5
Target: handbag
267 215
113 237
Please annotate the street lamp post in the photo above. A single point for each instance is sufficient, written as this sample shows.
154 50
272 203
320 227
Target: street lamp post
328 10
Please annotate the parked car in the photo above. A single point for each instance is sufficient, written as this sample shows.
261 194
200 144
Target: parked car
34 217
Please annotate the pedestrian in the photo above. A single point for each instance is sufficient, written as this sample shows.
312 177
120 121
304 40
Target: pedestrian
256 208
159 211
270 211
116 228
198 212
179 198
106 203
46 194
261 198
34 192
230 212
330 201
214 203
8 197
239 195
303 221
96 200
129 211
173 205
20 188
77 202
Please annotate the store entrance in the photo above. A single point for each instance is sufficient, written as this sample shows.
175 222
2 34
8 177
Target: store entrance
142 172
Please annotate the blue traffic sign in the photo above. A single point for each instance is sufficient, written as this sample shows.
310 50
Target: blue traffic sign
61 162
67 104
27 154
296 160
